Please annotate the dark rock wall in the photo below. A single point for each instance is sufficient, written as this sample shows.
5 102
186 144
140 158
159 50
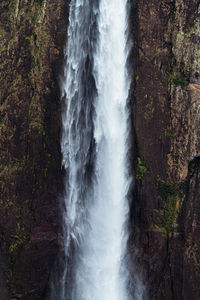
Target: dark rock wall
32 37
166 105
166 95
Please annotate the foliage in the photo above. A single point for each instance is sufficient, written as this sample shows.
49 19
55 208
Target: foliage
170 215
29 39
180 80
19 240
40 2
155 99
167 191
141 169
2 31
171 135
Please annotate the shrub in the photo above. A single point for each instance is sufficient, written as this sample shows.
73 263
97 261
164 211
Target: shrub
168 192
180 80
166 189
141 169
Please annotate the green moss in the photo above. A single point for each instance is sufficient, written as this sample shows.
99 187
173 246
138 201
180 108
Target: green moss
12 40
168 192
59 9
13 247
166 189
170 215
179 80
29 39
1 122
155 99
171 135
39 1
45 172
16 162
136 77
141 169
2 31
41 129
3 48
18 239
11 9
157 229
8 203
38 125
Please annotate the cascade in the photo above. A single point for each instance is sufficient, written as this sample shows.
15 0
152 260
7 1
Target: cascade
95 148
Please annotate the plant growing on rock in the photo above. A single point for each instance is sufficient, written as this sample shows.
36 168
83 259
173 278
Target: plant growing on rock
141 169
168 192
179 80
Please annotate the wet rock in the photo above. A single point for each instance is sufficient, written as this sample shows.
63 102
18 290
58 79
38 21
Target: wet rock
167 123
32 38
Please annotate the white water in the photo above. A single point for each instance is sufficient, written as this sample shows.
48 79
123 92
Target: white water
95 128
99 273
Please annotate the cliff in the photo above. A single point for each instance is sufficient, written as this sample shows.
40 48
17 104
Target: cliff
165 101
166 98
32 36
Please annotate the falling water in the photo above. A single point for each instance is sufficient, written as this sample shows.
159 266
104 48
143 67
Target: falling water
94 147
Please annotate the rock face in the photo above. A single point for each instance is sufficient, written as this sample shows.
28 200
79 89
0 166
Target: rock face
32 37
166 121
165 213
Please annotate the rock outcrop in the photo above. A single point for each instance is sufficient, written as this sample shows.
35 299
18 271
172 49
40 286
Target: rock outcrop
167 123
32 37
165 211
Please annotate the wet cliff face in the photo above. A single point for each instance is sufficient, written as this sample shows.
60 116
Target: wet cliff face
166 106
32 36
166 121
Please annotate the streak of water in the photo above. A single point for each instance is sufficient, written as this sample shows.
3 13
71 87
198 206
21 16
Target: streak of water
95 151
99 263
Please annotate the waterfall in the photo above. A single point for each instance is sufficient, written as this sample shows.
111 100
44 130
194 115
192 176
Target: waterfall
78 91
95 151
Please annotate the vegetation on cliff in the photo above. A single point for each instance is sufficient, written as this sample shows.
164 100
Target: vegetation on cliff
166 131
166 120
32 34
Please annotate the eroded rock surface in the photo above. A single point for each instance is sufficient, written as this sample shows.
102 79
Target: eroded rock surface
167 123
166 115
32 37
